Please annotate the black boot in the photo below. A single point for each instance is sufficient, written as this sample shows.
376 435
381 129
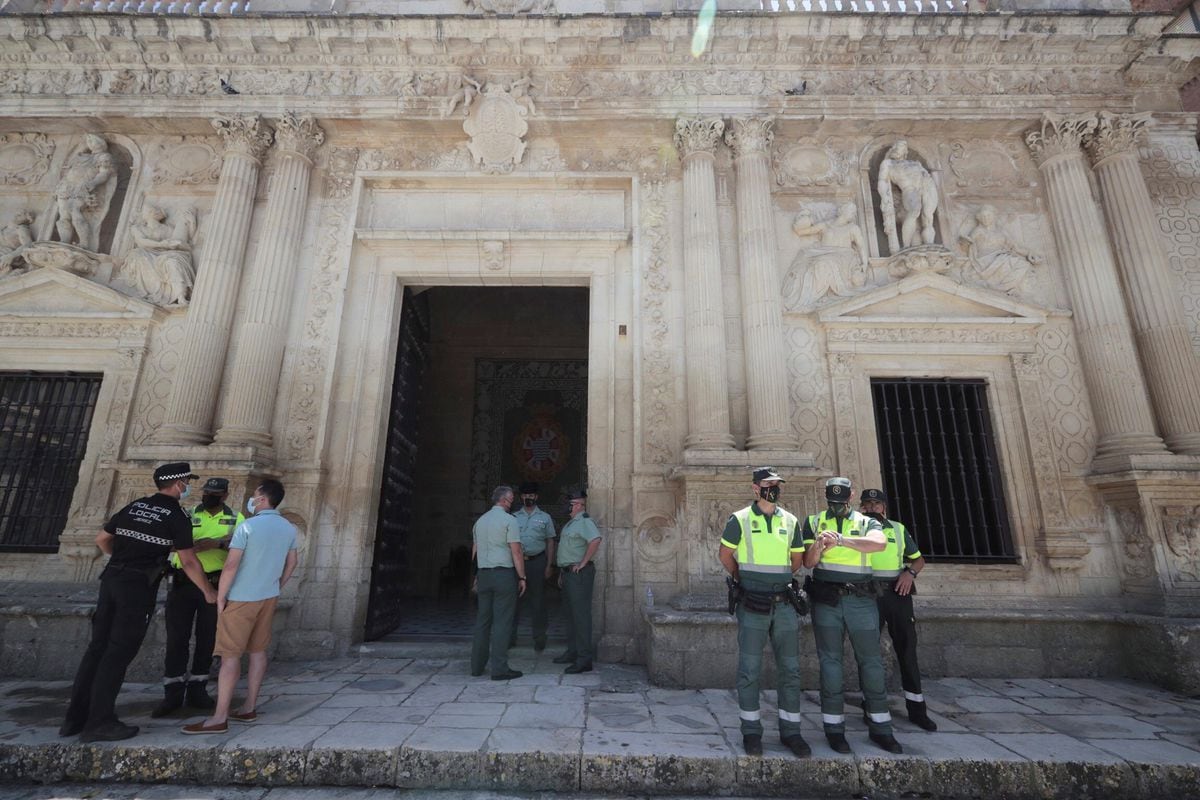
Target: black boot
197 695
918 715
172 700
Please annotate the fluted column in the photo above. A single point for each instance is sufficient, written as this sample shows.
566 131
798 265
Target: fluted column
704 337
762 312
189 417
1172 369
1124 422
252 379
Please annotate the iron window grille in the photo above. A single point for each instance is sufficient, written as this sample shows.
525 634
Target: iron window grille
44 423
940 467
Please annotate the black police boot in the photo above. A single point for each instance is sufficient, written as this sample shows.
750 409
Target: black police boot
887 742
838 742
70 727
797 745
752 744
197 695
918 715
111 731
172 700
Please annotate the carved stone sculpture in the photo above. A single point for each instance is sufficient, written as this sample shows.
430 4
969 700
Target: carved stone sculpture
84 192
160 267
497 128
994 258
918 198
14 238
462 89
836 265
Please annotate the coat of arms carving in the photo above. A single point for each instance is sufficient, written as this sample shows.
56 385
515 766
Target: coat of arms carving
497 128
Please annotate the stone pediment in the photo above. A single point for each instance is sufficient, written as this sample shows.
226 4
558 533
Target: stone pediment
931 299
49 293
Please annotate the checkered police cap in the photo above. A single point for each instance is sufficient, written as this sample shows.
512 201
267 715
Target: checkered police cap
174 471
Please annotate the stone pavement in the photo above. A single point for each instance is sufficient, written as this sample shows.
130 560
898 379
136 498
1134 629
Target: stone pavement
424 723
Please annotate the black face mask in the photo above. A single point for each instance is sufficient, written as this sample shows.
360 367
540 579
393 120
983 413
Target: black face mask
212 501
839 509
877 517
529 502
769 493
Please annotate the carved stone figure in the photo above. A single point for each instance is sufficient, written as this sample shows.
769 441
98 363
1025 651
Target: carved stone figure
519 89
918 198
160 267
14 238
836 265
995 259
463 89
497 128
84 192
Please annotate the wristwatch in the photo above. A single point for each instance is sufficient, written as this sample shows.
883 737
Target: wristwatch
911 571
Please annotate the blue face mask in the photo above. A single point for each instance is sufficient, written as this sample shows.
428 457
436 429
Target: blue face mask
186 491
250 505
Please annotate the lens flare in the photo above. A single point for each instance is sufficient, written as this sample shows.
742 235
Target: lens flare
704 25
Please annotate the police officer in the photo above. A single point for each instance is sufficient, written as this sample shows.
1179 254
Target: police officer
500 581
538 543
838 543
760 548
895 569
212 528
580 540
137 540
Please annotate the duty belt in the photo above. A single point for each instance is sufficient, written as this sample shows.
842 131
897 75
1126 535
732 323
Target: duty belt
535 555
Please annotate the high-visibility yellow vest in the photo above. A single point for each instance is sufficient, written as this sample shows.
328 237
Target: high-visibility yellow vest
889 562
211 526
761 550
841 564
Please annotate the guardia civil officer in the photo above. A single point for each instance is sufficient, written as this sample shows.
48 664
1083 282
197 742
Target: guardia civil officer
760 548
895 569
212 529
137 539
500 581
538 543
838 543
577 548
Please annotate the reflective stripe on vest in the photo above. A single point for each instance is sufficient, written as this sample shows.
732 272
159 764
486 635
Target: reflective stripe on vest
760 551
842 560
889 562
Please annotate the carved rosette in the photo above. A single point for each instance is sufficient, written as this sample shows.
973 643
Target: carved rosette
694 135
244 135
298 134
24 158
750 135
1058 136
1115 134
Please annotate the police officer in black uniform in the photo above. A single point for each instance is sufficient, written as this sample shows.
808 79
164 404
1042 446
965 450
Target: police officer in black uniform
138 540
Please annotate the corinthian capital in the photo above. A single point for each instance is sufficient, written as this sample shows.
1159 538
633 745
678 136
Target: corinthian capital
1058 135
1115 133
750 135
697 135
247 135
297 134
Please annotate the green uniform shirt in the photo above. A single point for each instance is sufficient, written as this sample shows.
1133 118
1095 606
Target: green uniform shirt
763 581
536 529
576 535
493 532
207 525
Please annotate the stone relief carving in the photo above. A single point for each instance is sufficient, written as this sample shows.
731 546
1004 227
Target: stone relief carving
810 391
1171 167
84 192
698 134
918 198
24 158
835 264
1059 135
497 126
657 540
298 133
245 134
493 255
159 268
1115 134
1138 549
1071 428
1181 527
14 238
513 6
657 427
461 90
54 254
190 162
807 163
924 258
997 261
981 165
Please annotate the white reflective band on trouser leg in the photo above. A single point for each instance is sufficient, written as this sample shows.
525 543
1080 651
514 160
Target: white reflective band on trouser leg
916 698
881 718
789 716
833 719
750 716
181 679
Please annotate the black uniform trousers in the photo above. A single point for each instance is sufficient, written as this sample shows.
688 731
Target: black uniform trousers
119 625
186 608
896 613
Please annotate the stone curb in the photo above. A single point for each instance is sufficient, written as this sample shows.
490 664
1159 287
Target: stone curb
879 776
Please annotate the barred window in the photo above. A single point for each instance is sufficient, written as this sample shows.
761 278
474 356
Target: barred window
940 467
44 422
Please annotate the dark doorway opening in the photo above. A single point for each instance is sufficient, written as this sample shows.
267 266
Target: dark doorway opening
492 389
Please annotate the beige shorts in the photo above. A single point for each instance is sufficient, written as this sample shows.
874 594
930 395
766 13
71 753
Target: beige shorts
244 627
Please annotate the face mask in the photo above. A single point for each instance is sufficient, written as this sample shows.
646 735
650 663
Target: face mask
876 517
769 493
529 502
186 491
250 505
839 509
211 501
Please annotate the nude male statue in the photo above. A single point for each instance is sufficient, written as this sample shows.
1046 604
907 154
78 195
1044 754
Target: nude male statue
918 198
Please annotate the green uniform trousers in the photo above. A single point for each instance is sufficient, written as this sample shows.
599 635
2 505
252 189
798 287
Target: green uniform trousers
534 600
859 616
494 619
577 601
782 627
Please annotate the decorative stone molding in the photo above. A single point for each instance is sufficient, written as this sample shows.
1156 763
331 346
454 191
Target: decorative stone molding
982 166
1181 530
807 163
659 398
1115 134
497 127
247 135
24 158
191 161
1059 135
512 6
298 134
924 258
750 135
493 255
698 135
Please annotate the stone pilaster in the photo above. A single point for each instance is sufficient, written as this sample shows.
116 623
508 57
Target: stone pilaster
762 310
707 376
189 417
1124 422
1172 369
252 379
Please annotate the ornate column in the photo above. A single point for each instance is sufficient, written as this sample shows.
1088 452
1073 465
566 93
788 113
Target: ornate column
189 418
762 312
707 376
1124 422
252 379
1172 370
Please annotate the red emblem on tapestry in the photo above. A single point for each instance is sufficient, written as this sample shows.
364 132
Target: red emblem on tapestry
541 447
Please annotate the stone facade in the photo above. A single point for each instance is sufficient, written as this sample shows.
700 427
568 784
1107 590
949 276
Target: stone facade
221 213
